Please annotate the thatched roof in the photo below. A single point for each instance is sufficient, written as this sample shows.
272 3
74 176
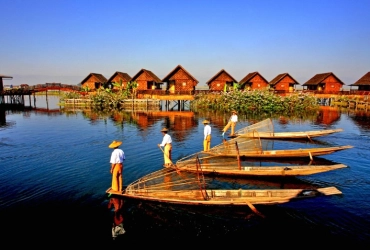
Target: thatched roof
280 77
320 78
151 74
100 77
123 76
365 80
218 74
177 68
248 77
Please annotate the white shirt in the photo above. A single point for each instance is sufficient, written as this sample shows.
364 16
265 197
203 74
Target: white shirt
118 156
234 118
166 139
207 131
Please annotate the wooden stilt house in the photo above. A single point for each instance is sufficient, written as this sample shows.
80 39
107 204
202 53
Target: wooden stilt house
324 82
362 84
94 81
221 81
252 81
146 80
118 78
179 81
283 83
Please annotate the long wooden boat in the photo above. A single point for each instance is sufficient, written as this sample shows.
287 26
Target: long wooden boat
169 186
290 135
220 165
282 153
265 130
235 170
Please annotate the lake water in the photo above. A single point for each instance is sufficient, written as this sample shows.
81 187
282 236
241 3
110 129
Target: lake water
55 170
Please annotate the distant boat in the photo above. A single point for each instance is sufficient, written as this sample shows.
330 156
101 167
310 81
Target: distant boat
265 130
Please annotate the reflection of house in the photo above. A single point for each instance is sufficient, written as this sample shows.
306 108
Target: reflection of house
218 81
363 83
146 79
284 83
180 80
324 82
94 81
327 115
253 80
180 123
118 78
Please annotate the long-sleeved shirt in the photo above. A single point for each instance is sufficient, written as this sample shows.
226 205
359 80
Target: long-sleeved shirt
207 131
166 139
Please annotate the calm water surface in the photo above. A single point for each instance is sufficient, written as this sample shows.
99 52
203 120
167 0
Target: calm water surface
55 171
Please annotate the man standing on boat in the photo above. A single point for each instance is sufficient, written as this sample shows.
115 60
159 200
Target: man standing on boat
167 144
207 136
116 161
232 123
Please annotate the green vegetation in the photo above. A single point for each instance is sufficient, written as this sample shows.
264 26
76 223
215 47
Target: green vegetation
256 101
248 102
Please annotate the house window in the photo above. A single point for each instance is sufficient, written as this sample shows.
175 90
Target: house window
258 85
184 84
218 85
332 86
282 85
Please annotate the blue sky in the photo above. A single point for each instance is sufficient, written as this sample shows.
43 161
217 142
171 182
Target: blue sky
64 40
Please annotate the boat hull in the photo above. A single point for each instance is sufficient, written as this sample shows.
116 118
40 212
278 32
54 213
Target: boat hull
226 197
261 171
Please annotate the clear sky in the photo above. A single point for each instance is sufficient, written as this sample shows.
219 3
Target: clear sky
63 41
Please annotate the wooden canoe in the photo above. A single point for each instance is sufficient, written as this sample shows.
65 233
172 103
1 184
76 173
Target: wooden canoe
169 186
227 197
283 153
265 130
235 170
290 135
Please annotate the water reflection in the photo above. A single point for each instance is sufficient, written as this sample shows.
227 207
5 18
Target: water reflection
117 225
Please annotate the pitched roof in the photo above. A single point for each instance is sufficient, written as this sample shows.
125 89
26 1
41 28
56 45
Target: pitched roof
319 78
365 80
280 77
248 77
155 78
218 74
122 75
166 78
100 77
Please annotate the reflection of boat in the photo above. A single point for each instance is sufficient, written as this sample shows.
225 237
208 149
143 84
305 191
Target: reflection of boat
169 186
225 166
265 130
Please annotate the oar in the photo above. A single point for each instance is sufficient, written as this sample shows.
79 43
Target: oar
254 209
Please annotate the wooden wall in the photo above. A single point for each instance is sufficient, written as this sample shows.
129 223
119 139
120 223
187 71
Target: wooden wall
219 82
286 84
181 81
331 84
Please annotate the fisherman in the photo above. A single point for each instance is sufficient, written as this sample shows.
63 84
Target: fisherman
167 144
116 161
232 123
207 136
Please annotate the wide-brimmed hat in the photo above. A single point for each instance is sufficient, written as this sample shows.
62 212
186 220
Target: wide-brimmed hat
164 130
115 144
234 111
205 121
